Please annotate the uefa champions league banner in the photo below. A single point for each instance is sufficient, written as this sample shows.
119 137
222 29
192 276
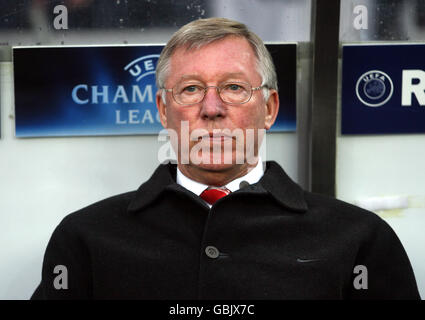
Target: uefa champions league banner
92 91
83 91
383 89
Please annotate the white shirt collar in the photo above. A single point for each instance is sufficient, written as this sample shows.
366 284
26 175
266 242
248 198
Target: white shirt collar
253 176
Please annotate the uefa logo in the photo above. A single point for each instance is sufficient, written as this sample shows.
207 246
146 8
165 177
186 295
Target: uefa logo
374 88
143 66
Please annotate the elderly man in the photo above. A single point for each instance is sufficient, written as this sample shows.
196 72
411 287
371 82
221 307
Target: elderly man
221 224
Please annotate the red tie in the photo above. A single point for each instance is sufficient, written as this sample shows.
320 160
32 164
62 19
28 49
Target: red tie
212 194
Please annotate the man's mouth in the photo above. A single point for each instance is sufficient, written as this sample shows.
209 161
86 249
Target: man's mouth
217 137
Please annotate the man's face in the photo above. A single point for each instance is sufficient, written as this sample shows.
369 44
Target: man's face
225 61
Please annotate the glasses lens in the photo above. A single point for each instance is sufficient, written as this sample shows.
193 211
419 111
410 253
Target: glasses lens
235 92
231 92
188 93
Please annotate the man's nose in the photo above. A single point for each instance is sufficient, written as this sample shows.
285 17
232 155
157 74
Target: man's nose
212 106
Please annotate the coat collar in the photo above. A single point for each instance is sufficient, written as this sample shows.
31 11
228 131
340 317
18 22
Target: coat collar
274 182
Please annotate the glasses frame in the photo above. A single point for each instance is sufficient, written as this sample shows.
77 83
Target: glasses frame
218 89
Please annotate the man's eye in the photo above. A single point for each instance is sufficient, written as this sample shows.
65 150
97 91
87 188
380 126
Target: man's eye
190 89
233 87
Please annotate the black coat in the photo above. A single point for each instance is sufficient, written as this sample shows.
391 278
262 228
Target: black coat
274 241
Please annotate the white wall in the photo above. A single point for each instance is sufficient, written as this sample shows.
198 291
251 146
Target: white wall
388 166
44 179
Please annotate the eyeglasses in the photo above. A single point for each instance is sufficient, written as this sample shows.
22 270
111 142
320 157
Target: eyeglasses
229 92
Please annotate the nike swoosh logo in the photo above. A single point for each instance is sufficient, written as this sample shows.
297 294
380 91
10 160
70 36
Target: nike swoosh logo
307 260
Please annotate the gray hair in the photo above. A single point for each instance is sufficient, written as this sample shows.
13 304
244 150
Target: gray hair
201 32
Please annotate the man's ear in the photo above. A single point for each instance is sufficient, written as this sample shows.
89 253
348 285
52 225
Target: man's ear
161 108
272 109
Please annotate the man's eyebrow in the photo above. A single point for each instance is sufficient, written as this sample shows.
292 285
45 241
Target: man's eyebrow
190 76
224 76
